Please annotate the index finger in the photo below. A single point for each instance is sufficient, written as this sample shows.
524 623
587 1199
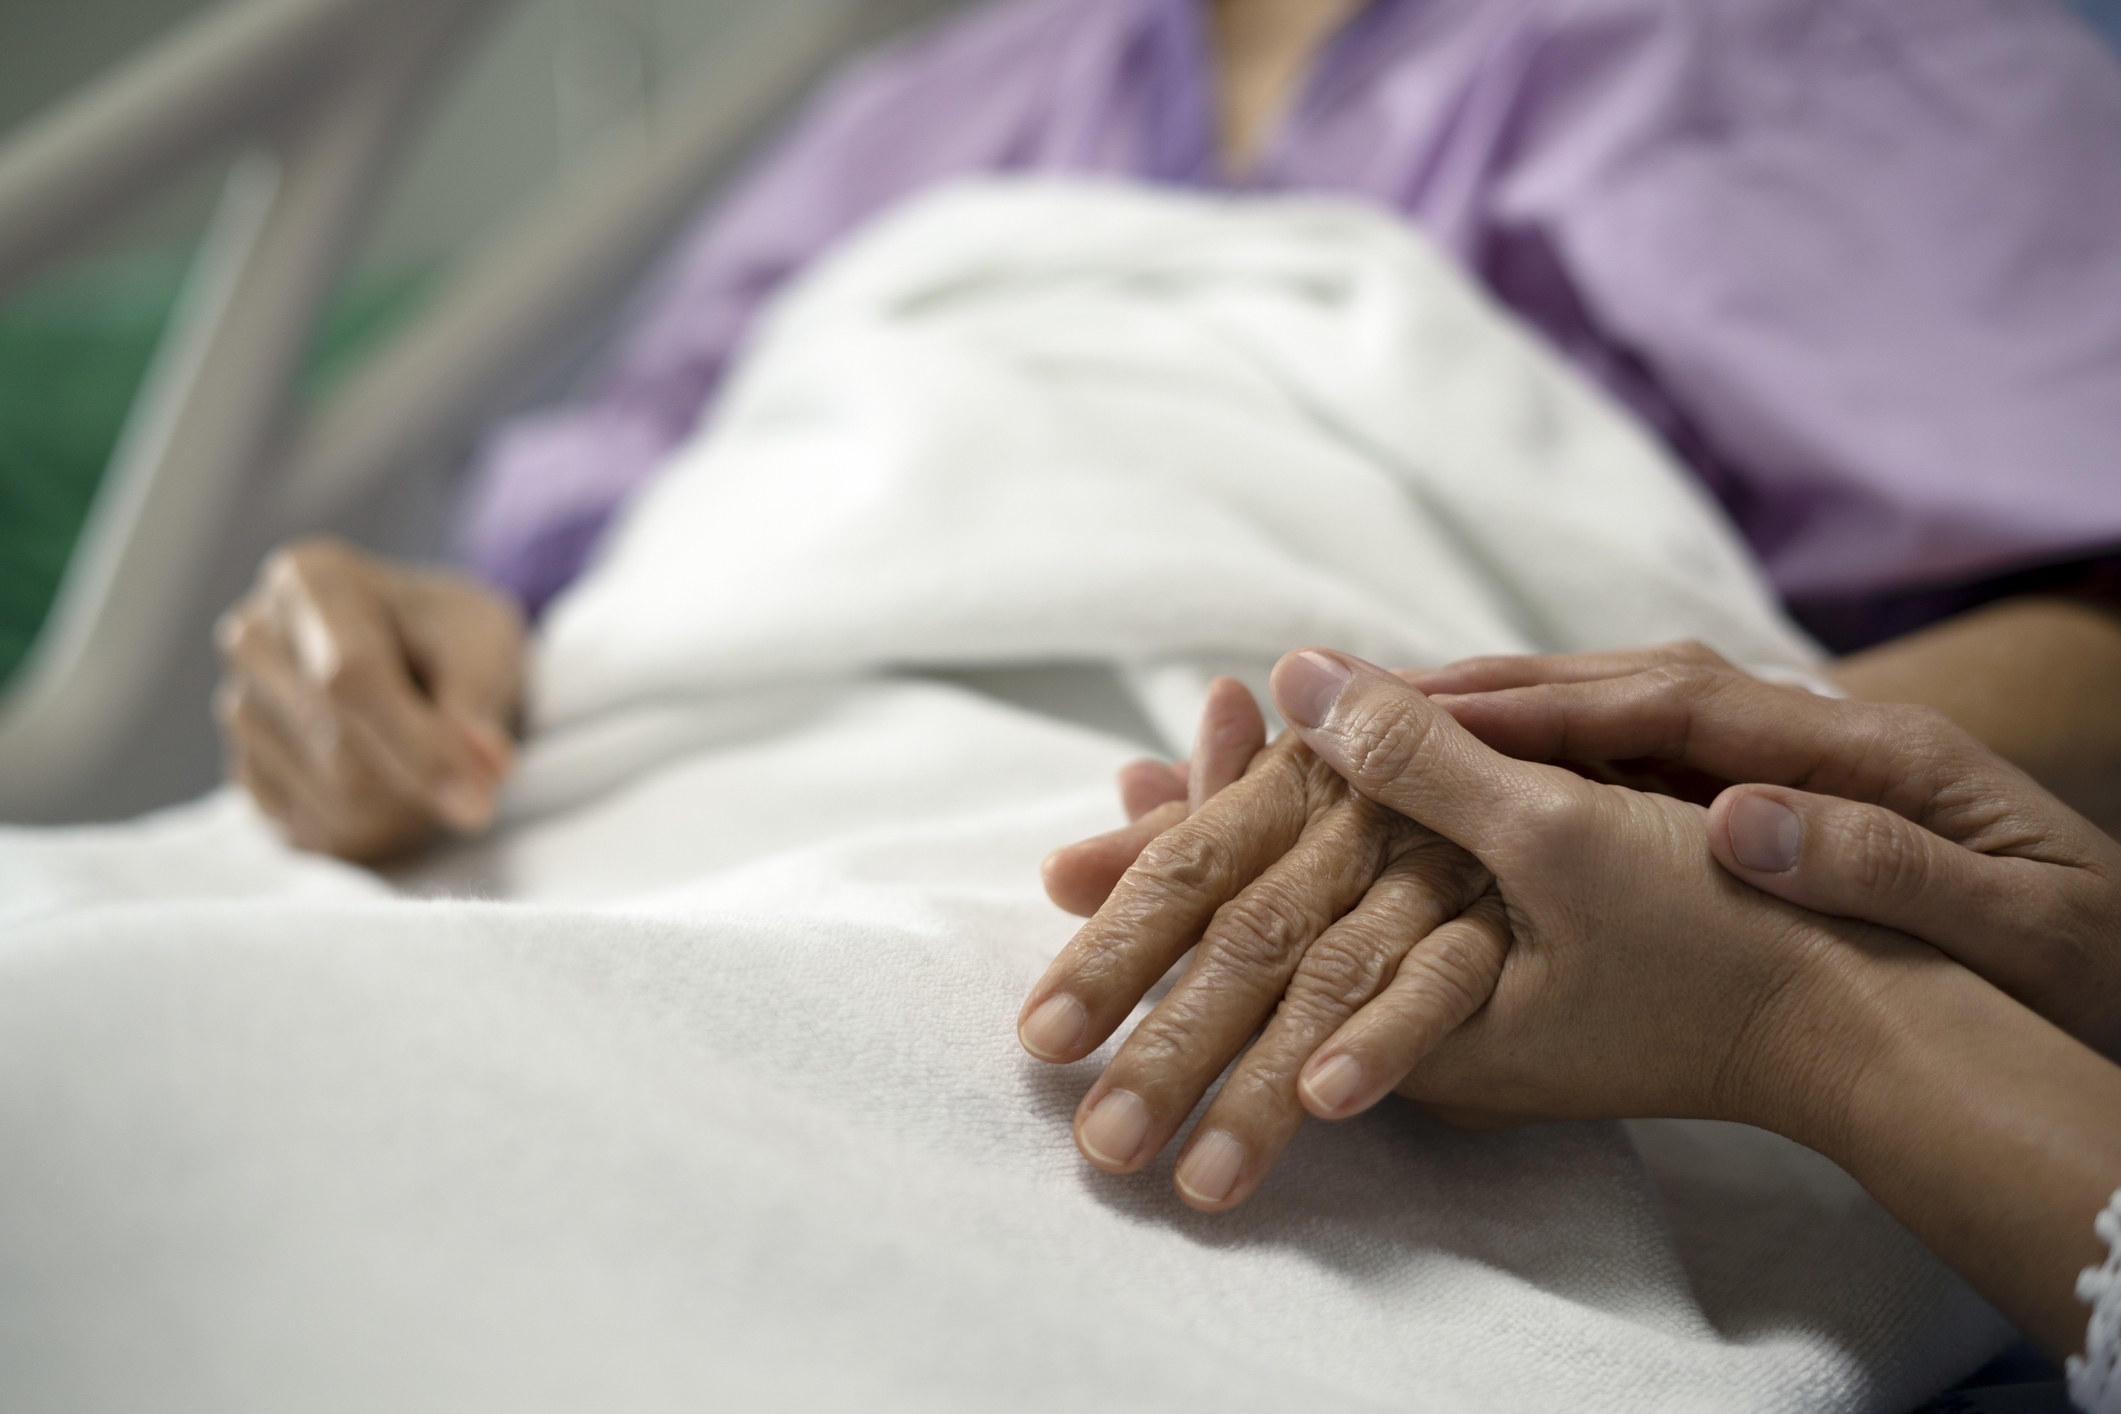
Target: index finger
1161 907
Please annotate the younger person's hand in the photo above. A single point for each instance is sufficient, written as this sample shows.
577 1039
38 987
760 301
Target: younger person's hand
1884 813
1642 978
1638 979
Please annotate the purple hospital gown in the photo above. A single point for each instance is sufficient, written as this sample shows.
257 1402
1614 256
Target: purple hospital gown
1858 261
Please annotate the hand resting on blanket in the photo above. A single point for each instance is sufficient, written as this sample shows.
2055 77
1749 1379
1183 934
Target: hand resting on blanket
1918 829
1630 971
1299 898
1479 1000
366 704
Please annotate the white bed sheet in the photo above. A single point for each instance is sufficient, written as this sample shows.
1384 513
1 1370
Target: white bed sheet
695 1084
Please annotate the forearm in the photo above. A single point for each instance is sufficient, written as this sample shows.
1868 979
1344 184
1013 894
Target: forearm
2034 679
1993 1136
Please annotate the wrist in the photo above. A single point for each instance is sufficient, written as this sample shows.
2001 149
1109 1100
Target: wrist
1983 1128
1819 1055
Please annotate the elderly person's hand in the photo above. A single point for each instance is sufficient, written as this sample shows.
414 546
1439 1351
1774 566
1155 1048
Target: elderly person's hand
365 705
1298 898
1356 1003
1884 813
1156 795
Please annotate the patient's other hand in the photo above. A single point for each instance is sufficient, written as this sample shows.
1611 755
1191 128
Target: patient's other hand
366 704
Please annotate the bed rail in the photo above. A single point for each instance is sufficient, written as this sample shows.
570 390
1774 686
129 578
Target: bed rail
214 461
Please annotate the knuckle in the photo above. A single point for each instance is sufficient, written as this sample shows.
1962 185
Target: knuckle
240 633
288 567
1455 967
1254 933
311 562
1171 1044
1343 973
1383 743
1883 862
1185 861
280 563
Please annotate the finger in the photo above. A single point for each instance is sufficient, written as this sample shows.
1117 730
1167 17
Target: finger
1736 728
464 644
1258 1109
347 649
1241 968
1391 744
1995 915
346 765
1081 876
1493 673
1438 986
1146 785
273 772
347 815
1232 732
1161 906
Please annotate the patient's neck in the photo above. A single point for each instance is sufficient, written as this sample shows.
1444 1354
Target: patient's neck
1264 50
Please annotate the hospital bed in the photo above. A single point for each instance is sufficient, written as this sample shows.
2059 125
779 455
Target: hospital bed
318 103
220 459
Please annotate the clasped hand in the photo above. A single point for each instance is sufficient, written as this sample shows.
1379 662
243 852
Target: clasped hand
1387 902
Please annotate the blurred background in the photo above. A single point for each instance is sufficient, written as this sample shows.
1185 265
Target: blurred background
531 97
535 116
540 87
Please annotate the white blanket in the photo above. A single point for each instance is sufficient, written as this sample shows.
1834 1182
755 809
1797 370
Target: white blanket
712 1100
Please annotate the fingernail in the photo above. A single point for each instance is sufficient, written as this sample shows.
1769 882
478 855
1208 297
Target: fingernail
1050 1033
1211 1166
1765 834
1114 1132
463 805
1333 1084
1308 685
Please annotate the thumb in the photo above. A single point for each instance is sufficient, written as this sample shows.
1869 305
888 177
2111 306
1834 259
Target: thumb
1864 861
1402 751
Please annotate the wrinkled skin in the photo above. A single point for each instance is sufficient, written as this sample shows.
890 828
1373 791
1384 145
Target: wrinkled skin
1641 976
1919 829
1299 900
1450 960
364 705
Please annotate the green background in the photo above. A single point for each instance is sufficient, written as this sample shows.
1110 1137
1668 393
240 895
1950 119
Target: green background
73 351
